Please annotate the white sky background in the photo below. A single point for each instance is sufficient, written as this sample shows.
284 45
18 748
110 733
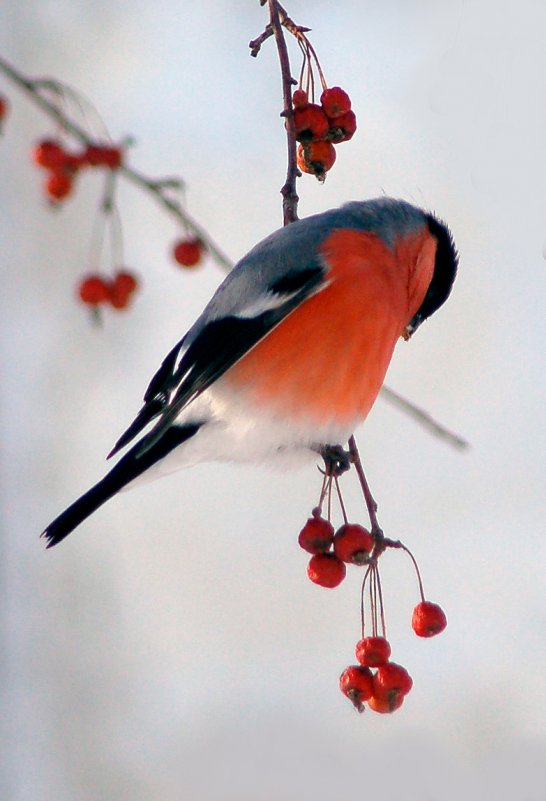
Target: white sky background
173 648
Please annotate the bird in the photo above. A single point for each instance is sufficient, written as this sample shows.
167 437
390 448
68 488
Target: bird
289 355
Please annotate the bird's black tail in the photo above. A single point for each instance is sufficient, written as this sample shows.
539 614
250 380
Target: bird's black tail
127 469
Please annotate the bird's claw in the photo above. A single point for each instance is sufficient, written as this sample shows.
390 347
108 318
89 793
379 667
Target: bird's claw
336 459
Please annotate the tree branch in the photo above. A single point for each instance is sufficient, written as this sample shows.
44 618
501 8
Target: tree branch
288 191
156 188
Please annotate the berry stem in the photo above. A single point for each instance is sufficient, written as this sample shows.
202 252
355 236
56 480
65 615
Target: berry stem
362 602
373 599
317 511
381 607
397 544
340 498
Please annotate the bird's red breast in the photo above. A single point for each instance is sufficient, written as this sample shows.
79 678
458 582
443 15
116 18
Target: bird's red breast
327 360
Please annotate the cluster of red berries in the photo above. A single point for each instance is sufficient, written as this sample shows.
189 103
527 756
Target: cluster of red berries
320 127
188 252
331 551
385 690
94 290
63 165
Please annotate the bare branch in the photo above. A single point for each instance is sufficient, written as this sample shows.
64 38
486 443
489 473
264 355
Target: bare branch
157 189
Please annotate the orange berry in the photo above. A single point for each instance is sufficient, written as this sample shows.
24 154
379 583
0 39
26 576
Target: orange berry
93 290
188 252
300 99
316 158
311 123
58 185
385 705
335 102
342 128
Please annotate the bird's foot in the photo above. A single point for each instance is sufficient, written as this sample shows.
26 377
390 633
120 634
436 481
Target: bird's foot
336 459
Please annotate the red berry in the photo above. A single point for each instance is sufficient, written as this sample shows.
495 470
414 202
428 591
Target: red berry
48 153
316 536
102 156
93 290
122 287
356 683
4 107
93 155
311 123
187 252
111 157
428 619
353 543
300 99
385 705
58 185
390 681
342 128
335 102
326 569
373 651
316 158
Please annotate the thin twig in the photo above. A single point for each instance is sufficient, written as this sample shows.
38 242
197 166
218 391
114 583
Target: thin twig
370 503
424 419
256 44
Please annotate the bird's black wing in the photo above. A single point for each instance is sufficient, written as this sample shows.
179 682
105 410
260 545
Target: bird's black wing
199 360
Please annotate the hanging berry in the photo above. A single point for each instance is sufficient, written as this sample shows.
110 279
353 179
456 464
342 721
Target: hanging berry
58 185
353 544
300 99
311 123
316 536
326 570
428 619
316 158
373 651
342 128
93 290
188 252
356 682
121 289
335 102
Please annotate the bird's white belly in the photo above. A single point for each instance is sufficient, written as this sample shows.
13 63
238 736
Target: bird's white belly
234 431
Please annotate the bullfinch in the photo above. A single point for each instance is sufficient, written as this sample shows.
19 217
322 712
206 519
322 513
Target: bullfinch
290 353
